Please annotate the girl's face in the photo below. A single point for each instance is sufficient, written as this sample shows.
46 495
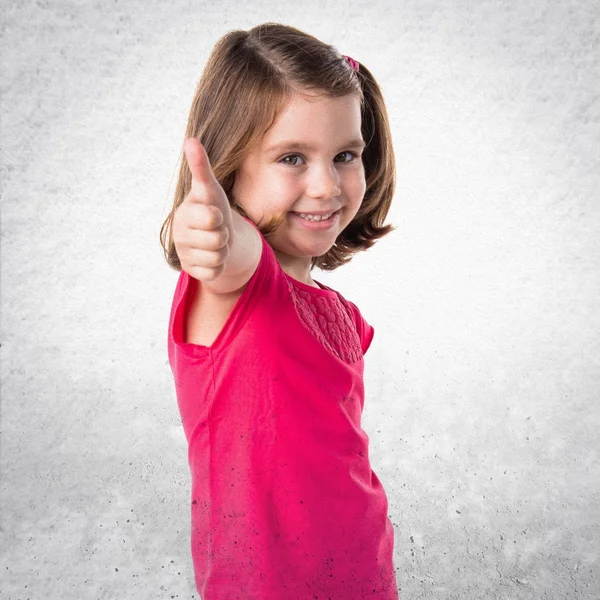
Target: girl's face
309 161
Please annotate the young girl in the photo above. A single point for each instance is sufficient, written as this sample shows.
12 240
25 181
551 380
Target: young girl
289 165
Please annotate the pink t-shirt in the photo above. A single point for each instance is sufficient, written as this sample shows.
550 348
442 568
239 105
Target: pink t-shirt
285 504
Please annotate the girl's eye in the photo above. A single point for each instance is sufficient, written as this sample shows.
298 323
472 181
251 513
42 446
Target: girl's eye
292 159
350 155
292 156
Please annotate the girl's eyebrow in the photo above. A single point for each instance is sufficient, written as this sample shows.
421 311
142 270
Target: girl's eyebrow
291 144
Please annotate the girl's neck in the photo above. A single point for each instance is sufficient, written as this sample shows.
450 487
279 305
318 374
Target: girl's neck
307 279
298 268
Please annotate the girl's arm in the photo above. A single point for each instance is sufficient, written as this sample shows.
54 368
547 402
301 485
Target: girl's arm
216 246
211 302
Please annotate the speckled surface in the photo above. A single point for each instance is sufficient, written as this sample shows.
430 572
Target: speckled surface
482 380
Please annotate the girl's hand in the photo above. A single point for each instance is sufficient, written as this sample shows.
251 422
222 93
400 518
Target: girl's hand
202 224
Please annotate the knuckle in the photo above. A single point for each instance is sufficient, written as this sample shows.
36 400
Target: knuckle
217 258
223 238
208 273
214 217
201 273
218 239
223 253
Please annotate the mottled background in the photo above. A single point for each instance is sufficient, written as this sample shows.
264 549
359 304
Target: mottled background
483 378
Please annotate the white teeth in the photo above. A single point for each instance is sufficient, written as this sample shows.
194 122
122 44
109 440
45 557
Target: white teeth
310 217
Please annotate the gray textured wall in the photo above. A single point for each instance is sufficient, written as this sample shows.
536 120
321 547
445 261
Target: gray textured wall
483 379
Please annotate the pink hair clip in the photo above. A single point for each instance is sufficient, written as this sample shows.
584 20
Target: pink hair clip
351 62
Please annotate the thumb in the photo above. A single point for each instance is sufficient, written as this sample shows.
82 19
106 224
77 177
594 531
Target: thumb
197 159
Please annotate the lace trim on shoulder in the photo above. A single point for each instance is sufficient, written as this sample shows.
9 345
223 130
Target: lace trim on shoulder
327 319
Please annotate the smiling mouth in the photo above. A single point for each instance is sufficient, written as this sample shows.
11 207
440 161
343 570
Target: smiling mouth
317 216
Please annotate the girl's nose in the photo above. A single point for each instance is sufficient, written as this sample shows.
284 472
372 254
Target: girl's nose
323 182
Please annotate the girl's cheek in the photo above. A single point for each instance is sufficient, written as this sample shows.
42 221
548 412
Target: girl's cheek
288 181
357 184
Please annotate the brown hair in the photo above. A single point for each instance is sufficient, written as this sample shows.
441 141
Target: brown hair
249 77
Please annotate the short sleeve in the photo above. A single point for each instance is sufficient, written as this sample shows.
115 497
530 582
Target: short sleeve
238 315
365 330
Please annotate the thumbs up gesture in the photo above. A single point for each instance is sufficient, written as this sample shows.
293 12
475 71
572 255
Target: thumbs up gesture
202 224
